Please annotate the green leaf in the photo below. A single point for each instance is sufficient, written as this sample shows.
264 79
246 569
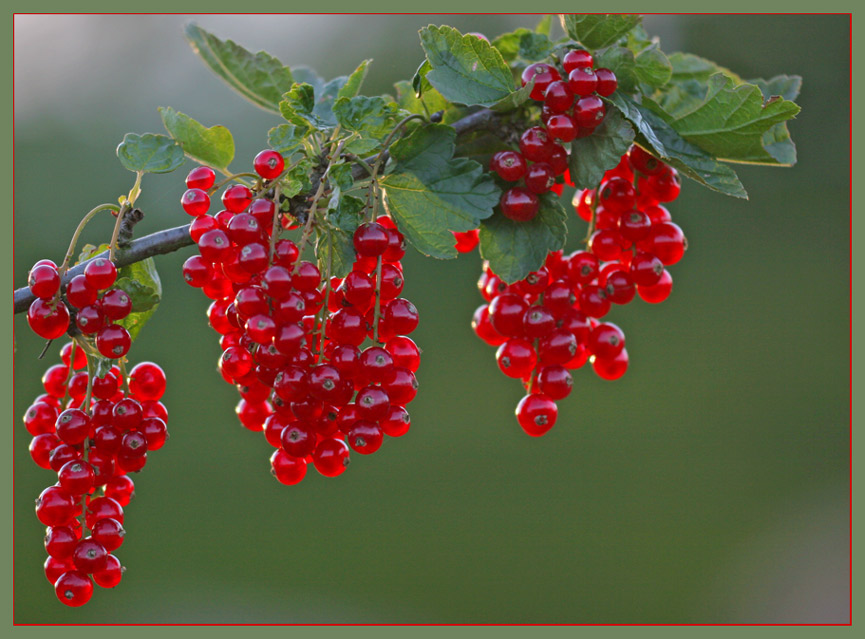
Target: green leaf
213 147
595 154
141 282
339 174
371 117
407 99
351 88
596 31
297 107
305 75
285 138
656 135
730 121
297 178
515 249
150 153
334 240
776 140
687 66
259 77
419 82
514 100
652 67
325 99
465 69
523 44
430 194
545 25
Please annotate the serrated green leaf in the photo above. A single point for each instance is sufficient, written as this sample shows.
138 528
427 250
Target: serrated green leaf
652 66
596 31
351 88
407 99
429 194
141 282
150 153
601 151
776 140
334 240
530 46
515 249
298 107
687 66
370 117
419 82
325 99
305 75
297 178
465 69
259 77
285 138
340 175
730 121
785 86
515 100
212 146
656 135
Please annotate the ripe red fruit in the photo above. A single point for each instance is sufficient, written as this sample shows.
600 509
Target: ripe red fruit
146 381
611 369
582 81
536 414
111 574
49 319
288 470
113 341
268 164
370 239
519 204
44 281
607 82
331 457
236 198
100 273
535 144
555 381
73 588
510 165
516 358
466 241
589 112
577 59
195 202
658 292
543 74
201 177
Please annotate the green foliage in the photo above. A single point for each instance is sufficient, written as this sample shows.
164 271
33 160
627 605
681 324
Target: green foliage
212 146
259 77
285 138
595 154
523 44
465 69
515 249
429 193
595 30
149 153
334 241
141 282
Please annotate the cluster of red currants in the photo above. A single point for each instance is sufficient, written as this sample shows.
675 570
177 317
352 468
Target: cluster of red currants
98 305
572 108
549 323
92 433
292 339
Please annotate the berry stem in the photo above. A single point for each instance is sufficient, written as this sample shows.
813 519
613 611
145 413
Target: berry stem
112 247
324 310
377 314
274 229
71 250
232 177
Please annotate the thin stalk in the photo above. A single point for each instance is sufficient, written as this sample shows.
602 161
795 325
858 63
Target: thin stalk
324 309
90 215
230 177
112 247
377 314
274 231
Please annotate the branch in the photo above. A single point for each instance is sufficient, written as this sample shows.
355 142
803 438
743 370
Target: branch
171 240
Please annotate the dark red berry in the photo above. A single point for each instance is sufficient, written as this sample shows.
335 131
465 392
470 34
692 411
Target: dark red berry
268 164
536 414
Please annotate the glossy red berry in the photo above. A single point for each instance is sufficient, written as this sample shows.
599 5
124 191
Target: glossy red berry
236 198
288 470
577 59
195 202
370 239
658 292
539 178
111 574
589 112
607 82
543 74
611 369
535 144
113 341
44 281
100 273
73 588
201 177
49 319
510 165
516 358
331 457
519 204
268 164
536 414
582 81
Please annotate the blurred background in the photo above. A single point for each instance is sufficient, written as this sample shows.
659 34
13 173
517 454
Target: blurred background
710 484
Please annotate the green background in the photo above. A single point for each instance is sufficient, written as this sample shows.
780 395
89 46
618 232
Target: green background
710 484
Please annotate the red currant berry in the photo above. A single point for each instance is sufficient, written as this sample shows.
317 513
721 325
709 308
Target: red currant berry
73 588
666 241
399 317
116 304
606 341
268 164
611 369
519 205
582 81
644 162
100 273
111 574
60 541
558 98
201 177
543 74
555 381
76 477
120 490
288 470
466 241
536 414
562 127
49 319
535 144
370 239
589 112
607 82
331 457
516 358
646 269
195 202
236 198
44 281
510 165
540 178
658 292
365 437
113 341
55 506
484 328
41 447
577 59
